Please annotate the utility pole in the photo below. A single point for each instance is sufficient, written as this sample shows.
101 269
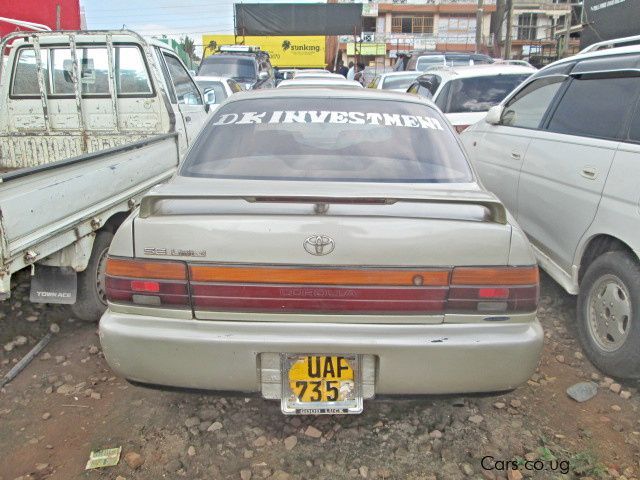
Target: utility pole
479 17
58 17
507 45
496 27
567 34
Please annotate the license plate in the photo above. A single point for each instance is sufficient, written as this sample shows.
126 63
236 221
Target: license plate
321 384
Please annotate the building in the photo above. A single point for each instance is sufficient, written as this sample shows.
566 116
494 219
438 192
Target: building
392 26
539 28
55 14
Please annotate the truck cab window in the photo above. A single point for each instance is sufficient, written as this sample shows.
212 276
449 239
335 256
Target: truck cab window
186 90
132 77
25 77
94 71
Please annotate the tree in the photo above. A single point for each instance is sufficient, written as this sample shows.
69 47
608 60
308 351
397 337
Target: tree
189 47
212 47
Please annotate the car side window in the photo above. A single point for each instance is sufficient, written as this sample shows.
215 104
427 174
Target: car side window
595 107
424 91
443 97
527 108
634 126
186 90
431 82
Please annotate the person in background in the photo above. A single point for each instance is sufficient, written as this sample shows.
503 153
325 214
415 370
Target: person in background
352 71
359 77
342 70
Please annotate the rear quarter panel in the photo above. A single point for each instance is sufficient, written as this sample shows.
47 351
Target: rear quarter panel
618 214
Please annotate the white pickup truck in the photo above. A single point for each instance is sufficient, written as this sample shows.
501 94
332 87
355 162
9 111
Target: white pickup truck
89 121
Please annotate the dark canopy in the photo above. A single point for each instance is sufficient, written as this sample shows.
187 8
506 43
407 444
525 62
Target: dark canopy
298 19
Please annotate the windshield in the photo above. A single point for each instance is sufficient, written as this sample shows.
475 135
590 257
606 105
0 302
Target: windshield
425 63
234 67
327 139
398 82
479 94
217 87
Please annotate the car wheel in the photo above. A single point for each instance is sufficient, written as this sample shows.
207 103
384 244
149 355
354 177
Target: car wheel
609 314
91 300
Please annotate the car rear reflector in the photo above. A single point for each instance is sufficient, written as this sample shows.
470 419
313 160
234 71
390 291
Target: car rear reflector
301 298
495 276
133 268
319 276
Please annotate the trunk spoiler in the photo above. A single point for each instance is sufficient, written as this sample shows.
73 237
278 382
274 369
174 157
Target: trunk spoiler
497 211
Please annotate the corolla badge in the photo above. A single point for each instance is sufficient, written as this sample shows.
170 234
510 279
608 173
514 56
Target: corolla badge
319 245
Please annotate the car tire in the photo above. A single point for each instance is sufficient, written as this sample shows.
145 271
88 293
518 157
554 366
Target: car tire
91 299
608 314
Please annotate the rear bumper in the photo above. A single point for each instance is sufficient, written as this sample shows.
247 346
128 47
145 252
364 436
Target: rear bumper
410 359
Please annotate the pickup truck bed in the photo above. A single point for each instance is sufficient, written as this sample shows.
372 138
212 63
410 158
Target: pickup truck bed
49 207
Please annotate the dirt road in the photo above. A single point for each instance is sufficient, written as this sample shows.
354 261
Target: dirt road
68 402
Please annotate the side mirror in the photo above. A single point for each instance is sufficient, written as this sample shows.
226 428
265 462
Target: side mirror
209 96
263 75
494 115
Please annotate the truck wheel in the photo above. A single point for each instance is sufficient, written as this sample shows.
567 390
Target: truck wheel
91 300
609 314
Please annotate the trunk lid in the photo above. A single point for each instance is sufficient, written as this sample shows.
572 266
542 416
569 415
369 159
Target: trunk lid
370 225
368 250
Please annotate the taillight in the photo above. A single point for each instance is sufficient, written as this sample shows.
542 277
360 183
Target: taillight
461 128
484 290
144 282
493 290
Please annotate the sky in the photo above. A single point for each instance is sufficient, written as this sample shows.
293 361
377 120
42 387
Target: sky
172 18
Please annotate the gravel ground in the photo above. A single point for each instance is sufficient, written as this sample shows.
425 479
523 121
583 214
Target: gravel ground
67 402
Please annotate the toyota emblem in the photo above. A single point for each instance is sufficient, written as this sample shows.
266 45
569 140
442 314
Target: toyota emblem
319 245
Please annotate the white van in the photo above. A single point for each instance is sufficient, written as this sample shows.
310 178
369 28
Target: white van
563 153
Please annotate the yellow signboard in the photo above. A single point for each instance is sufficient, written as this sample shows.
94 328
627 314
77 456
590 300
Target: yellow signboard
367 49
285 51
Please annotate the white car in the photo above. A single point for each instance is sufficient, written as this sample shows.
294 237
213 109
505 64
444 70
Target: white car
563 153
300 74
217 89
394 81
465 94
322 246
320 82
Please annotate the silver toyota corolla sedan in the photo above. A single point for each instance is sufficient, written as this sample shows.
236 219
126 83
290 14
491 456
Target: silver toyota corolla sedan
319 247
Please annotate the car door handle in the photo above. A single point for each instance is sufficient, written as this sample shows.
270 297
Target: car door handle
516 155
589 172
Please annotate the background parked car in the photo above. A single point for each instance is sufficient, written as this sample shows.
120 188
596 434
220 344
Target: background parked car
465 94
249 66
221 87
563 153
320 82
395 81
422 60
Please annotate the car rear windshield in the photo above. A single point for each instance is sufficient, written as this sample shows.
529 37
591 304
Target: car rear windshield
398 82
423 64
327 139
234 67
479 94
